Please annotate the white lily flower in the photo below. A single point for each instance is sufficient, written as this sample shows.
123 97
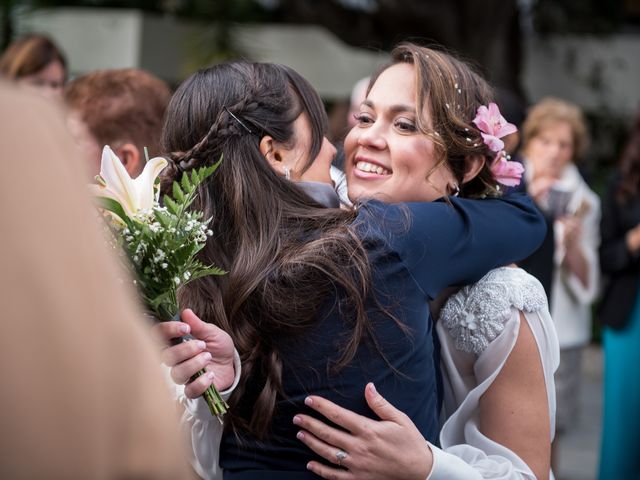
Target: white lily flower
133 194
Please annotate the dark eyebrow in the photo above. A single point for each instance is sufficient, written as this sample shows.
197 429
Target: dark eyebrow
394 108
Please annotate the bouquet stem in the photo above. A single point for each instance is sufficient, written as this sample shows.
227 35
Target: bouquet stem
217 406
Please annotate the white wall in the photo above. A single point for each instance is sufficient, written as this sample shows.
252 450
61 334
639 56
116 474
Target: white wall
563 66
95 38
91 40
329 64
594 72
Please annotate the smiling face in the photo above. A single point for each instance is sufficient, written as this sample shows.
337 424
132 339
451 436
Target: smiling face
386 156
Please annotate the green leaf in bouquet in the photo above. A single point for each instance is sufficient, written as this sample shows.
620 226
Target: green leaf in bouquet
114 207
197 248
207 171
178 195
172 206
166 298
206 271
163 219
186 184
183 254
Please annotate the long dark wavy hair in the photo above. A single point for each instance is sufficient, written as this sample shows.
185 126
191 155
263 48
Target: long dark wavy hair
629 186
284 253
448 94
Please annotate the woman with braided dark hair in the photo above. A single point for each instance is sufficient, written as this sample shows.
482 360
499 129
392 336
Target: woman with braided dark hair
316 299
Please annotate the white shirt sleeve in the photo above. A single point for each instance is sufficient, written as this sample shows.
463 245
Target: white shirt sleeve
447 466
468 454
488 311
589 243
203 430
464 462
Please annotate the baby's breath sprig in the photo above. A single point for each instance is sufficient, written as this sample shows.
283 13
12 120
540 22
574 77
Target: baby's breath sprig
161 242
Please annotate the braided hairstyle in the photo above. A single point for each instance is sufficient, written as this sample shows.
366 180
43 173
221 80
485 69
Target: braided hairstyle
285 255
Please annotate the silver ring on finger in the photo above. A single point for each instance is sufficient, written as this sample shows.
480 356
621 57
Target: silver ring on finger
341 456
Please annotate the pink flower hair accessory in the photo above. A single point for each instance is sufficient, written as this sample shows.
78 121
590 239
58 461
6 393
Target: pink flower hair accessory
493 127
506 172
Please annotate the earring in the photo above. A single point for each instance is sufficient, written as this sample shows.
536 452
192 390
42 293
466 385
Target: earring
454 190
287 172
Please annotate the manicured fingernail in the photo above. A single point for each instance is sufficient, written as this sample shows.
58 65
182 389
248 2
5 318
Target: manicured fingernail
309 466
300 435
184 328
206 356
297 420
308 401
201 345
211 375
372 387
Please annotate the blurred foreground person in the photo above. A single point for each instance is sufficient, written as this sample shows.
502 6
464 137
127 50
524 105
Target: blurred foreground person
554 140
35 62
620 313
122 108
83 396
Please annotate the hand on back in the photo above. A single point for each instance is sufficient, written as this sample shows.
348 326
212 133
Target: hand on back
375 449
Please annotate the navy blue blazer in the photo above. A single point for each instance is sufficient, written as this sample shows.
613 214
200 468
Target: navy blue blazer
415 250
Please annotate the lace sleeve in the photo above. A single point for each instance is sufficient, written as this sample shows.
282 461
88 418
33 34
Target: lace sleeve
476 314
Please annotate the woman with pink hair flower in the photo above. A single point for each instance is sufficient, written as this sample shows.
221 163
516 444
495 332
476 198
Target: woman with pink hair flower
423 135
499 402
493 127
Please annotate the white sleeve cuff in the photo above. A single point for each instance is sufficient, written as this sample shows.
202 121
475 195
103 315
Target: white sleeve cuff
449 467
198 408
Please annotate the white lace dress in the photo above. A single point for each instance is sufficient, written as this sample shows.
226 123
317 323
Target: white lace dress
478 328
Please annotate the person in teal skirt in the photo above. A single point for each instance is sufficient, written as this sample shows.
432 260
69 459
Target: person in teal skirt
620 314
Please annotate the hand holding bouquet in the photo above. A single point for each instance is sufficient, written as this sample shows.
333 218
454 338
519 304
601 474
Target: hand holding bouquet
161 242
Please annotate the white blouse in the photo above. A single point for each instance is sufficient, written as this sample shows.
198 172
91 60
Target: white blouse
478 328
570 299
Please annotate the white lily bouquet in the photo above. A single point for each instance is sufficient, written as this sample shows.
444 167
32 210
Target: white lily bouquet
160 242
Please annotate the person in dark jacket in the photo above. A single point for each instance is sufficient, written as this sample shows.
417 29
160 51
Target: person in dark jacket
620 313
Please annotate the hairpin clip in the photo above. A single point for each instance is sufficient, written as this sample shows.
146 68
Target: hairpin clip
238 120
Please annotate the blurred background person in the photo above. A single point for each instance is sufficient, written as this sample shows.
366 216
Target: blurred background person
122 108
72 406
358 95
554 139
620 313
35 61
540 264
